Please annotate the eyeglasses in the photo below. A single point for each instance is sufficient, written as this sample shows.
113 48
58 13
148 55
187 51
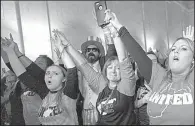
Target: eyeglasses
93 49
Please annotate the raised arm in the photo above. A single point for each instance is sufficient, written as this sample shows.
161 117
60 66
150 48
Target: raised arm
111 51
30 66
25 61
89 73
127 83
20 71
135 50
71 89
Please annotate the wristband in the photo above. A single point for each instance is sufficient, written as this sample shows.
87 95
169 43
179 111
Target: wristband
21 56
65 46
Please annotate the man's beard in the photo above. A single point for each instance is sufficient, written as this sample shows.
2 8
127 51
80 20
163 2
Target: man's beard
92 58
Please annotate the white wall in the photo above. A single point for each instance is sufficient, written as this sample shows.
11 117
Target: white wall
147 22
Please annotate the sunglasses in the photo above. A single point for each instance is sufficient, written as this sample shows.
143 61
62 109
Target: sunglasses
93 49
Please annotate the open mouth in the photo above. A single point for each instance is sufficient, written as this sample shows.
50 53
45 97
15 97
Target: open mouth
49 82
176 58
91 56
114 74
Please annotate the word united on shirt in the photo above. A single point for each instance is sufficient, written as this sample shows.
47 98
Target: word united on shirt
171 99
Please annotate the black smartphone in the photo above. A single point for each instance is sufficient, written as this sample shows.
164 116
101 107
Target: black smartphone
100 8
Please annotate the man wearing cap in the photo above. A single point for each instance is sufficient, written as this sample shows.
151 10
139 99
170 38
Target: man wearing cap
94 52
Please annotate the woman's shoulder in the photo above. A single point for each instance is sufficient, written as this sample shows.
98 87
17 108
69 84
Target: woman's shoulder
158 74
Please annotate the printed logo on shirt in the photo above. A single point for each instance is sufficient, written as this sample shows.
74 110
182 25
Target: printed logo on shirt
172 99
29 93
168 97
51 111
106 107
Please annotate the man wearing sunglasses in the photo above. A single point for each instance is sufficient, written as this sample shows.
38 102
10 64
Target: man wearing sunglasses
94 52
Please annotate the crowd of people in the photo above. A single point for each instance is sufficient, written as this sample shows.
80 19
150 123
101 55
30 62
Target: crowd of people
125 86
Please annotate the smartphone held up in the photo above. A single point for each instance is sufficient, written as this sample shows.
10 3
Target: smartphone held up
100 8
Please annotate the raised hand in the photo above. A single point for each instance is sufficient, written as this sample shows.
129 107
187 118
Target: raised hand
61 37
114 24
189 33
5 45
57 41
10 42
111 17
57 51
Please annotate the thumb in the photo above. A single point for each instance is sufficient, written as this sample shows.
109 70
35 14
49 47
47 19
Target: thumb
11 37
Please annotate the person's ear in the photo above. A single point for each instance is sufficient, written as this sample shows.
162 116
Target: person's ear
100 54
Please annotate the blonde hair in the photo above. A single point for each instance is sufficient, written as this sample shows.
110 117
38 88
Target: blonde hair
168 76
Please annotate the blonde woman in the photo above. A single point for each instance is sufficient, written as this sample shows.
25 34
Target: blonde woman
172 98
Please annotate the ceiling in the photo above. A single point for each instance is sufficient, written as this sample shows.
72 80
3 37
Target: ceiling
189 5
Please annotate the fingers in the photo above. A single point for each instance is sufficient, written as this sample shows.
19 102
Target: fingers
192 32
114 15
108 16
11 38
184 34
113 18
61 34
148 87
187 31
56 34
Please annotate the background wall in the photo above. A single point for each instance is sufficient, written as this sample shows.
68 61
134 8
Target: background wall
154 24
